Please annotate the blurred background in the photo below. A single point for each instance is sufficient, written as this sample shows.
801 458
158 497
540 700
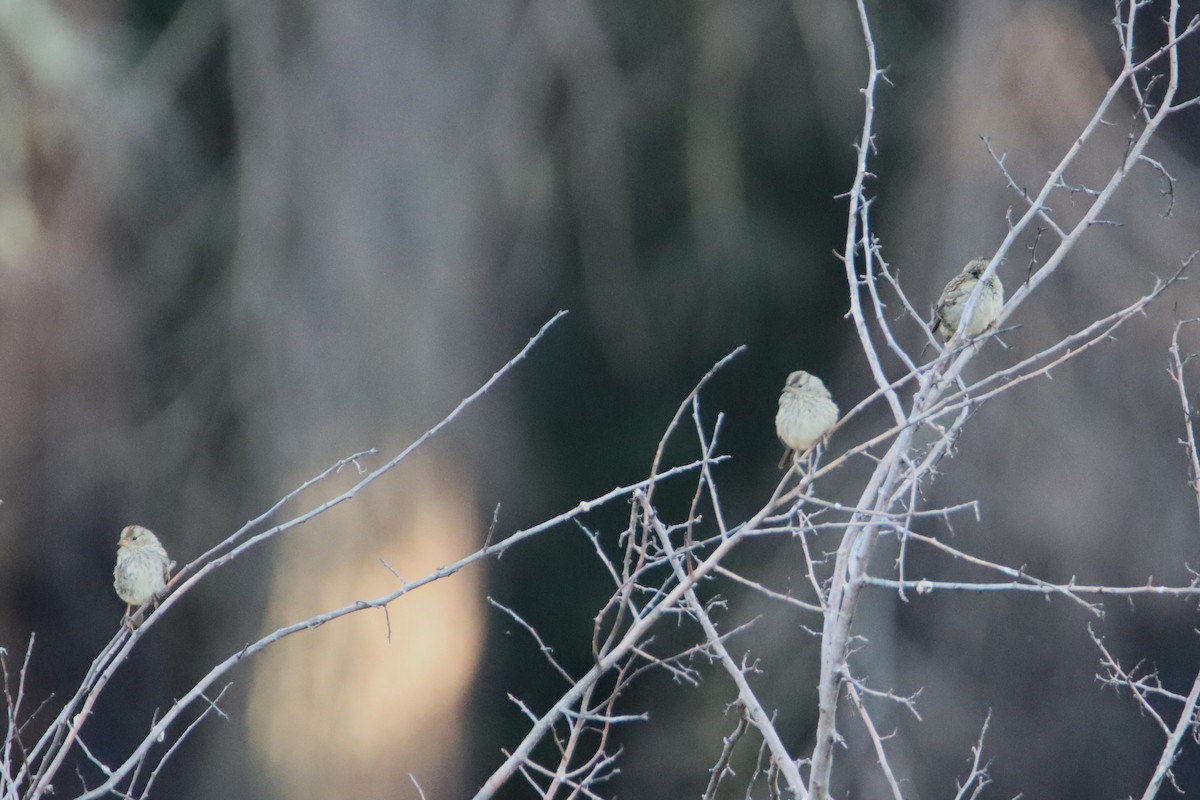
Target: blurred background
240 240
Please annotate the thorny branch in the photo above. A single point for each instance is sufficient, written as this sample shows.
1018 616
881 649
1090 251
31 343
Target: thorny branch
680 570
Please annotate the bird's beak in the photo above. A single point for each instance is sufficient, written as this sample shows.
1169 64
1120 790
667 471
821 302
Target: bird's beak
123 542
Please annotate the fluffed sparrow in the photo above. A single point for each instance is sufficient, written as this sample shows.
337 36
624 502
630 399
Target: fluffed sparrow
806 413
950 306
142 569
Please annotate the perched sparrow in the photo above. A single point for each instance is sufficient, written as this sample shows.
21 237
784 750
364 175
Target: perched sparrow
950 306
142 569
806 413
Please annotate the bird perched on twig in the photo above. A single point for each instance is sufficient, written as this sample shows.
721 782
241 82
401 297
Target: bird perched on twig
142 569
806 413
950 306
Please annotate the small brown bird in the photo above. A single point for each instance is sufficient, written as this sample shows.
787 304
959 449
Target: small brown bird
950 306
142 569
806 413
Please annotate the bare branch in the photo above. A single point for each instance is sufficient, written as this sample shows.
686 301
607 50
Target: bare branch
977 778
876 740
719 769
